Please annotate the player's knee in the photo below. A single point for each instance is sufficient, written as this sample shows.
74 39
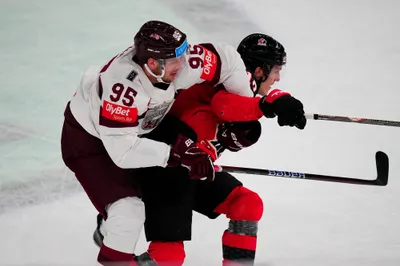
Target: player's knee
245 205
167 253
124 223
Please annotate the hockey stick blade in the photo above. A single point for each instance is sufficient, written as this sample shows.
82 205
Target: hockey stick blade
382 166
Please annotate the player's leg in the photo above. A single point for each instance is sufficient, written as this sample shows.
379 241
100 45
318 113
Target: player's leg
168 198
226 195
112 190
167 194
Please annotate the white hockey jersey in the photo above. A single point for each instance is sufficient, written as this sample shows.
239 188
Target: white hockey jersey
118 104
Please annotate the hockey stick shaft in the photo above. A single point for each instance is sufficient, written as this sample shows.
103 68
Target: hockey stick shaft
382 164
358 120
287 174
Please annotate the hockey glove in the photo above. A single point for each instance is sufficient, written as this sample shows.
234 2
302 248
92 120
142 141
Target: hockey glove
186 153
238 135
289 110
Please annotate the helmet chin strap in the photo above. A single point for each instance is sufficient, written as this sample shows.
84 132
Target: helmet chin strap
258 83
158 77
267 71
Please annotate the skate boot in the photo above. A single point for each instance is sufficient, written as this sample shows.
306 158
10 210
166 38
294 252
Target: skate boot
97 235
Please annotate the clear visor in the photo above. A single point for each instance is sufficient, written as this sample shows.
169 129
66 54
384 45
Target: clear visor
176 61
181 53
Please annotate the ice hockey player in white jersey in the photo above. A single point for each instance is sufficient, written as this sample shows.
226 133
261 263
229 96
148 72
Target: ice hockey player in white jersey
114 107
117 105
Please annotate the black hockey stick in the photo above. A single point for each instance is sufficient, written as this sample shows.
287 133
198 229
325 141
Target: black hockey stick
382 167
353 120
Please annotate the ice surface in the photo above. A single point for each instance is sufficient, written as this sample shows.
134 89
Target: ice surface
343 59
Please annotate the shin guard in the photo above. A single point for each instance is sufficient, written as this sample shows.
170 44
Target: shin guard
244 208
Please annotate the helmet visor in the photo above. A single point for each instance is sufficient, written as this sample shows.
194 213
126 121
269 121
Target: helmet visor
181 55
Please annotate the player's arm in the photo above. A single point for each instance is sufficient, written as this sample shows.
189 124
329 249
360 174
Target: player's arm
235 78
235 101
233 108
121 108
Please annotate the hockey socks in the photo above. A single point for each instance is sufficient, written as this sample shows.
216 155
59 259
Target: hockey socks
244 208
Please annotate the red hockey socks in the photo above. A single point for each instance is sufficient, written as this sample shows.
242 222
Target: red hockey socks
109 257
244 208
167 253
158 254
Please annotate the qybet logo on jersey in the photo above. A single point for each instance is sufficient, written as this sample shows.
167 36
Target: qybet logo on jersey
210 65
119 113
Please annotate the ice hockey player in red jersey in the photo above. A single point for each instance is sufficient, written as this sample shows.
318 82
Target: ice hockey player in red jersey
224 120
221 120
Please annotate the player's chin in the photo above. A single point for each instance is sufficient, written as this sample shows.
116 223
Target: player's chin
171 77
168 79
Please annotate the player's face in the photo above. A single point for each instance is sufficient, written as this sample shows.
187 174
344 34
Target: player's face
172 66
274 76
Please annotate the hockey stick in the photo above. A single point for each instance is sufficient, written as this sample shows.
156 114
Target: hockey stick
382 167
353 120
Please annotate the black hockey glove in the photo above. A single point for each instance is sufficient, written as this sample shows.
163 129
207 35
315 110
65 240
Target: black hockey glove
238 135
289 110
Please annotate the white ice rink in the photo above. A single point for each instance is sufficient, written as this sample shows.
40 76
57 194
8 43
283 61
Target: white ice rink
343 59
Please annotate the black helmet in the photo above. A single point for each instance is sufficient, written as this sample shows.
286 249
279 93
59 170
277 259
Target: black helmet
159 40
260 50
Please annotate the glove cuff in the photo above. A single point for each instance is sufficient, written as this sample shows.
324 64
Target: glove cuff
266 108
275 94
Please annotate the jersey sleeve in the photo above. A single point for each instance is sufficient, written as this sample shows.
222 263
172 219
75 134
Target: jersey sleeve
234 76
235 108
123 104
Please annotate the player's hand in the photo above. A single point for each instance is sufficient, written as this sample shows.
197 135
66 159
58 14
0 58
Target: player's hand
288 109
186 153
238 135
